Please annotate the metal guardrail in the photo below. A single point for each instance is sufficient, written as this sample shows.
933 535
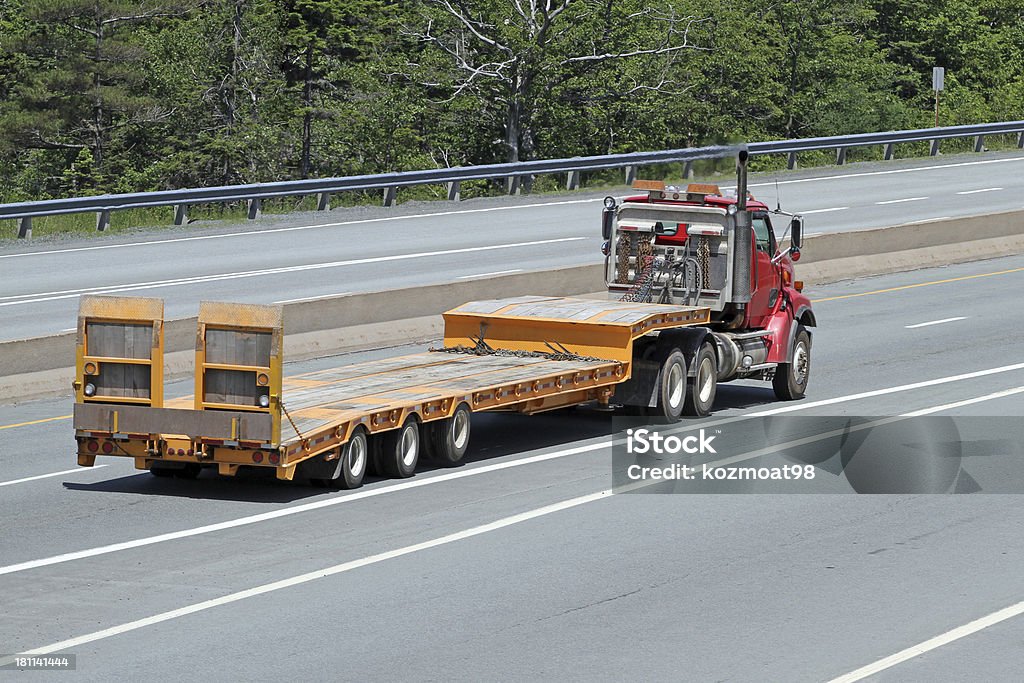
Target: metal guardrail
518 175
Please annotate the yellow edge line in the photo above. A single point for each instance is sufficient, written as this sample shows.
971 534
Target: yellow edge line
36 422
920 284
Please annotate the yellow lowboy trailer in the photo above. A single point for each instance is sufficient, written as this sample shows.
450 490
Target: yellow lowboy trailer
527 354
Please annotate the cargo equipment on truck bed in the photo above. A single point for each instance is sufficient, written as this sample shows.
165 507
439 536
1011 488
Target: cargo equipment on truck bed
527 354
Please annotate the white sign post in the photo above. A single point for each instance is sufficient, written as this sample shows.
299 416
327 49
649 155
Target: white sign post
938 85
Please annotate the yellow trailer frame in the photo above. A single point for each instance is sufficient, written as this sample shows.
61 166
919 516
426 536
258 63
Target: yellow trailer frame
526 354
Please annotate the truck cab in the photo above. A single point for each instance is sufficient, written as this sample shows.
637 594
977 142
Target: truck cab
697 245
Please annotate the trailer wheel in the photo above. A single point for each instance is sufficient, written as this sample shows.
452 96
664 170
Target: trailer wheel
449 438
790 381
671 387
704 384
400 449
352 463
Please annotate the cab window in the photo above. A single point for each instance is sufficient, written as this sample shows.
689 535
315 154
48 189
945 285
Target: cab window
763 234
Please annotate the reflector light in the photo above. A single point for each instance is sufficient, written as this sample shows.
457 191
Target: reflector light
90 389
170 451
93 446
798 285
264 401
181 451
108 447
262 379
274 458
257 456
90 368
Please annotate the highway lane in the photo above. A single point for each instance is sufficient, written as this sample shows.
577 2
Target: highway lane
699 587
285 258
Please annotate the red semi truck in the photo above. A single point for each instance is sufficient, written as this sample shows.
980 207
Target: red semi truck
697 246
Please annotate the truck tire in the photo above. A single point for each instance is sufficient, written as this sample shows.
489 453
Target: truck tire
671 388
790 381
449 438
704 384
352 463
400 450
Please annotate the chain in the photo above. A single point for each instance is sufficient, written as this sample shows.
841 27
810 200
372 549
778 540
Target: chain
704 259
291 421
623 247
557 353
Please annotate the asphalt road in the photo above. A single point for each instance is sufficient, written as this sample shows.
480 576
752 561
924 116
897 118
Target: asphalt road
310 255
400 580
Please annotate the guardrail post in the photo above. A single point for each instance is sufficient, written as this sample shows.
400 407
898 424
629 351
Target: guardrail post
791 161
573 181
513 183
25 227
180 214
389 195
454 191
102 220
979 143
687 170
255 208
840 156
323 201
1020 140
630 175
935 147
889 150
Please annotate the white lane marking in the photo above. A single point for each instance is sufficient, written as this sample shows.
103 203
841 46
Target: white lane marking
926 220
109 289
501 524
294 228
314 575
311 298
497 272
900 201
932 643
460 474
834 208
966 402
888 172
45 476
936 322
987 189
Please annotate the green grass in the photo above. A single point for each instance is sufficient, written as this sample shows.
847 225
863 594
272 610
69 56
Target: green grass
131 220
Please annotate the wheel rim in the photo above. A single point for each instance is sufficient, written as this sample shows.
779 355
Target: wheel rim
705 381
357 456
676 386
801 364
460 429
409 446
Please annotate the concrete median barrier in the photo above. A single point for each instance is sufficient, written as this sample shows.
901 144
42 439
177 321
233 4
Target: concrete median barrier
42 366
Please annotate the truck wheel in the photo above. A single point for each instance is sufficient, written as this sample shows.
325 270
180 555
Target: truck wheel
449 438
353 463
671 388
790 381
704 384
400 450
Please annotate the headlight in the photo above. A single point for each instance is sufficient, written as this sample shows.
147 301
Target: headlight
90 389
264 401
609 202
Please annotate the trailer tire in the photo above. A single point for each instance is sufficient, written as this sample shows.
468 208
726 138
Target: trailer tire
449 438
671 387
790 381
353 462
400 449
704 384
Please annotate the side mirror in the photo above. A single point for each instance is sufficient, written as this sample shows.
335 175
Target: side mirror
660 229
607 218
796 233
